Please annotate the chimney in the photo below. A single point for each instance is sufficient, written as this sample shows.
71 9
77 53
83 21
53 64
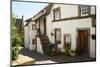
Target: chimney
22 18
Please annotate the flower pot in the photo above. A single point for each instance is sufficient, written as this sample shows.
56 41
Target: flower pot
72 54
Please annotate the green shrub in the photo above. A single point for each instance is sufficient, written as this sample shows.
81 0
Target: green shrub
67 49
78 51
16 40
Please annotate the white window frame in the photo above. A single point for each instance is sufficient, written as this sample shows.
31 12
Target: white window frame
56 12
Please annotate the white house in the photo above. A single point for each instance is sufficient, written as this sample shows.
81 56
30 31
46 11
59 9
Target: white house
30 35
63 24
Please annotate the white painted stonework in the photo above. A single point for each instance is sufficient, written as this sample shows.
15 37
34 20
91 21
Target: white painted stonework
39 46
29 36
32 36
32 47
26 37
70 26
66 26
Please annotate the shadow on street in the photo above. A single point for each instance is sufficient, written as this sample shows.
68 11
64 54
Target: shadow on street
59 59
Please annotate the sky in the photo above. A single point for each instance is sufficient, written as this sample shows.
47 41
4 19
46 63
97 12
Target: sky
27 9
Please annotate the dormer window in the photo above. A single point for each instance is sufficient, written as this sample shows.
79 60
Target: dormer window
56 13
84 10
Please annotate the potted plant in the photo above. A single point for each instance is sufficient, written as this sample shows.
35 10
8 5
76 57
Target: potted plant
67 49
77 51
72 53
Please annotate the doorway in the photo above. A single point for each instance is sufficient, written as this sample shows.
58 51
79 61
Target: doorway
83 41
44 26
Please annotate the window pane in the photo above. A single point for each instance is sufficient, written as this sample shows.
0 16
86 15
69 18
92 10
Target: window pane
56 13
84 10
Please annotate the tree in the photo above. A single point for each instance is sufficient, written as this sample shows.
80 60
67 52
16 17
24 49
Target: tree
16 40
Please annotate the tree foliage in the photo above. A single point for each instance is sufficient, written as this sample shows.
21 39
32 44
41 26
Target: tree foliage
16 40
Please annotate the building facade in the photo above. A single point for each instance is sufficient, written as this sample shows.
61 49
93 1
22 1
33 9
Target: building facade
62 24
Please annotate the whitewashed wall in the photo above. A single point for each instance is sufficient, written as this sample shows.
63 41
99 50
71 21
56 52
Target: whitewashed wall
39 46
93 43
29 35
26 37
32 34
67 27
93 10
70 26
67 11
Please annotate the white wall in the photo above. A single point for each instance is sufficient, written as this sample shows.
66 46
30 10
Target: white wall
26 37
93 10
49 27
32 34
66 10
69 27
29 35
93 43
39 46
69 11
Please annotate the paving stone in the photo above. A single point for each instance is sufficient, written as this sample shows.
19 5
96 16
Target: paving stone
23 60
14 63
45 62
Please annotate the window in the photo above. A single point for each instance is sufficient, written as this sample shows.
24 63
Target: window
34 26
67 40
56 13
58 35
84 10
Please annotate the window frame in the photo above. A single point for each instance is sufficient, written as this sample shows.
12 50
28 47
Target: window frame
87 9
56 35
54 11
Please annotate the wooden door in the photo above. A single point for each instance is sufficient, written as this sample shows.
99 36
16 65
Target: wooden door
83 41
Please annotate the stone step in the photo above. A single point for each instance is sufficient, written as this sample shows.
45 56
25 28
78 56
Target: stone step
45 42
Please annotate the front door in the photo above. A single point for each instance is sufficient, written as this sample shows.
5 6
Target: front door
83 41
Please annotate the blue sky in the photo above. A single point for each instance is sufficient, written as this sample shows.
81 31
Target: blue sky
27 9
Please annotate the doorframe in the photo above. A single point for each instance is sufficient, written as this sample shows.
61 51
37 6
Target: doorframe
88 29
